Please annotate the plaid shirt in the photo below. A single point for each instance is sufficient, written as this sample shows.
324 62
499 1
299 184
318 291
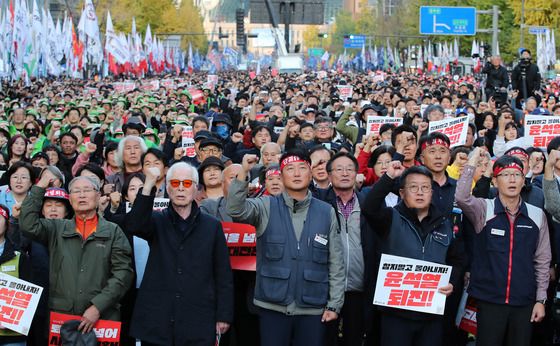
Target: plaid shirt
346 209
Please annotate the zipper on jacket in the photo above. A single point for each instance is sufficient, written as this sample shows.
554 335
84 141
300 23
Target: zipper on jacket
347 254
510 260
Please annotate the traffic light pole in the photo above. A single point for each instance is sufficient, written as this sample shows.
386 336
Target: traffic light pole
495 12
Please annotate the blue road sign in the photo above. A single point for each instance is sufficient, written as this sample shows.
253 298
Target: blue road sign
354 41
535 30
437 20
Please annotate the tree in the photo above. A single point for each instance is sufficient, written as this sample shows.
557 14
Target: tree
344 25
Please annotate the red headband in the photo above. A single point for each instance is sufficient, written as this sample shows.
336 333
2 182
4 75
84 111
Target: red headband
272 172
291 159
435 141
512 165
4 213
518 152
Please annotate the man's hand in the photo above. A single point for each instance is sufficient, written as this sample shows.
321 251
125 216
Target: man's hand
538 313
422 127
249 160
476 157
47 179
405 139
329 316
395 169
447 290
115 199
178 153
89 319
91 148
222 328
237 137
16 210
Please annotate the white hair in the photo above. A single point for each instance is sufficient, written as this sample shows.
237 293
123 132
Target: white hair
94 182
266 145
120 149
182 165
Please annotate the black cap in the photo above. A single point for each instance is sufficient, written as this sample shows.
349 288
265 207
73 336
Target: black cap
210 161
203 134
211 141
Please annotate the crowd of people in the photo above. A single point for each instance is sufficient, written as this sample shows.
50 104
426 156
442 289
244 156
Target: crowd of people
83 163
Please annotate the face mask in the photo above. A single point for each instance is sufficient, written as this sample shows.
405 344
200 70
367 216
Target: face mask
471 116
222 131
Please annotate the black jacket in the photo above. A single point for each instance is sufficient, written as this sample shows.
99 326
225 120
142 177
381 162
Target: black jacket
188 283
533 79
496 77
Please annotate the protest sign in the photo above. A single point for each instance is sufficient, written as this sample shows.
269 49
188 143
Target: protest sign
241 241
455 128
466 316
152 85
197 95
18 301
411 284
168 83
107 332
345 92
211 81
374 123
124 87
89 91
188 141
278 129
541 129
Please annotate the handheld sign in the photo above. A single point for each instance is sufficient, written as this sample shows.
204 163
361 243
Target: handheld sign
18 301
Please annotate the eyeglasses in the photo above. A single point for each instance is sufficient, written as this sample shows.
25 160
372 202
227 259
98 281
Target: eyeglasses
323 128
516 175
383 163
211 150
340 170
176 182
84 191
416 188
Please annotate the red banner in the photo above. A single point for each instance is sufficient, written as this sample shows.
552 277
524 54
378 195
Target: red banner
108 332
241 240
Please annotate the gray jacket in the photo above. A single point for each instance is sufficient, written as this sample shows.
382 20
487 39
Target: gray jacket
256 211
552 198
350 237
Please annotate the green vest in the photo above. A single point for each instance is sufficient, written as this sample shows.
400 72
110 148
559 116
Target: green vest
11 268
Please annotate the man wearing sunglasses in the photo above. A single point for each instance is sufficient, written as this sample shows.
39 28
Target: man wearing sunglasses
186 296
414 228
300 271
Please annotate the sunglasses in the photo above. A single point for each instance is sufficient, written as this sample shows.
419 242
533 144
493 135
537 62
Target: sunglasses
176 182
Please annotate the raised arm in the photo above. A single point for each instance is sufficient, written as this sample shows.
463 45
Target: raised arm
474 208
550 186
139 219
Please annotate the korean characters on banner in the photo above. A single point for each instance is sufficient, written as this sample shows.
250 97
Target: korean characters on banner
18 302
410 284
168 83
124 87
455 128
188 141
151 85
541 129
107 332
241 241
345 92
374 123
91 92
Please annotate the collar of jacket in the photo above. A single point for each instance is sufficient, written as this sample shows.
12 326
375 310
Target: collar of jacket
102 230
435 216
499 207
175 217
290 202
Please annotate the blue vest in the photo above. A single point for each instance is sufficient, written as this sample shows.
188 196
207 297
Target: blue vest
404 240
502 270
288 270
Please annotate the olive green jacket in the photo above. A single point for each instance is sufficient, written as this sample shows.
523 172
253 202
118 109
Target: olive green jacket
96 271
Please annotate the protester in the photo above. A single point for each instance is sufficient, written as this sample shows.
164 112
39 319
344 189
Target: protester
287 314
178 302
92 287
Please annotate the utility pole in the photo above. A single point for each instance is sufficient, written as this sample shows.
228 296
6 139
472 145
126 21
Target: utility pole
495 12
522 26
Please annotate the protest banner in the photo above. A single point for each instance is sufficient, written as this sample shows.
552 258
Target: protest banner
466 316
541 129
124 87
197 95
107 332
141 247
411 284
89 91
168 83
188 141
152 85
374 123
18 301
455 128
345 91
241 241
